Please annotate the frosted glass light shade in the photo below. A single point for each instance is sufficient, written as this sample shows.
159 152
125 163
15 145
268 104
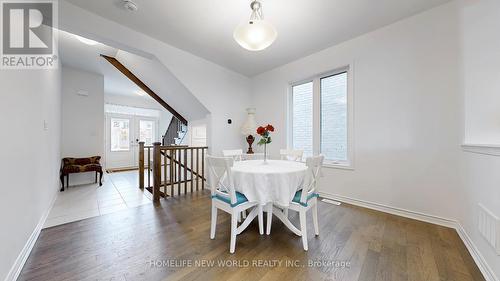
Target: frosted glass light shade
255 35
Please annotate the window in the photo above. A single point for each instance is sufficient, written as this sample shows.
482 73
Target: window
333 92
120 134
146 131
302 103
320 117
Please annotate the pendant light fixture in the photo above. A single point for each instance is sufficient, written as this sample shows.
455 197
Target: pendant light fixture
255 34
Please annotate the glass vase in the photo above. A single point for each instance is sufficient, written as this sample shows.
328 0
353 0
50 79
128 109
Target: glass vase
265 153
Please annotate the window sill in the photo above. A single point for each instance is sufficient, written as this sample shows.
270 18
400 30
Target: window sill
486 149
342 166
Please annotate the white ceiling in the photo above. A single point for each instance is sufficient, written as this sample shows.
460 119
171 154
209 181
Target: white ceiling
76 54
205 28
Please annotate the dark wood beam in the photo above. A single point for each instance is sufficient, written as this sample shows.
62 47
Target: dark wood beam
118 65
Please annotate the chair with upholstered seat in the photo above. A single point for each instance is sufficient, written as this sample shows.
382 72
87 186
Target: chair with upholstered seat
226 198
305 199
80 165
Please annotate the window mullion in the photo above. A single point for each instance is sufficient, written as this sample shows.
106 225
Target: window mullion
316 116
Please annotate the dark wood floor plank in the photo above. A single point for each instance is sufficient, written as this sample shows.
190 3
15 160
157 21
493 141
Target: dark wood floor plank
354 244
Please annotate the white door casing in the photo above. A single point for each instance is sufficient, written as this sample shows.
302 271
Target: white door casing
123 133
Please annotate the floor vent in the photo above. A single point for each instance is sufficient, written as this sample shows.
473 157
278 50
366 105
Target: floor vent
489 227
331 202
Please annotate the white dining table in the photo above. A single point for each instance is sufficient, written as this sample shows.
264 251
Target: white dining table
272 185
274 182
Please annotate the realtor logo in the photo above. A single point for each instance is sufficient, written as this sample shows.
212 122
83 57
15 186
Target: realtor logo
28 34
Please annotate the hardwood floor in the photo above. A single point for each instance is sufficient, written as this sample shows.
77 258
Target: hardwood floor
165 243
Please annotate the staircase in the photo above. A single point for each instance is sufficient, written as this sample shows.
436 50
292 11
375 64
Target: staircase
177 128
175 134
171 163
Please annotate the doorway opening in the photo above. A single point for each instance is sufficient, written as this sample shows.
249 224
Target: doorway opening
125 127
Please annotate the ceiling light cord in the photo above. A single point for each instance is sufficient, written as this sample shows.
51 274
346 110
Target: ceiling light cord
257 13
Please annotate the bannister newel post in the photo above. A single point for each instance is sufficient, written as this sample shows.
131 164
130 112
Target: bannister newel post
141 165
156 171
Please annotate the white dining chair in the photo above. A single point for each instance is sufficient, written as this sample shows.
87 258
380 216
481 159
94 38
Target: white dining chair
305 199
226 198
291 154
236 154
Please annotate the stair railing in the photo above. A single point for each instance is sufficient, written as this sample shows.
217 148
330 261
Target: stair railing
178 169
176 131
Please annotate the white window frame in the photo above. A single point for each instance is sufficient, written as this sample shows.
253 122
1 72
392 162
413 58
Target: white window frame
130 132
316 79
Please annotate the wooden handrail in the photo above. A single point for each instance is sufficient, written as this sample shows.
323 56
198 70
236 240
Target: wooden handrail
180 147
175 169
177 162
174 147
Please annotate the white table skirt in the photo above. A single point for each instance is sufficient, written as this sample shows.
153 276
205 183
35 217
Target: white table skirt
274 182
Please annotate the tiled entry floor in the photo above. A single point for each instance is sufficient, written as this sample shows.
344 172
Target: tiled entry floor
119 191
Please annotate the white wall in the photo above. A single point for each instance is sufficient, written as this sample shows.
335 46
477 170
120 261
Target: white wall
30 157
410 80
82 118
223 92
480 176
161 81
480 184
406 137
481 58
197 133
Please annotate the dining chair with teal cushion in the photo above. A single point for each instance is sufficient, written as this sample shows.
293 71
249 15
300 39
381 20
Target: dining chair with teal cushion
240 198
298 196
306 198
226 198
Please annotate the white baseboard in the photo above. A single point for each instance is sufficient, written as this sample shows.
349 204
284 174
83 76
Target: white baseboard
488 273
391 210
16 268
481 263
